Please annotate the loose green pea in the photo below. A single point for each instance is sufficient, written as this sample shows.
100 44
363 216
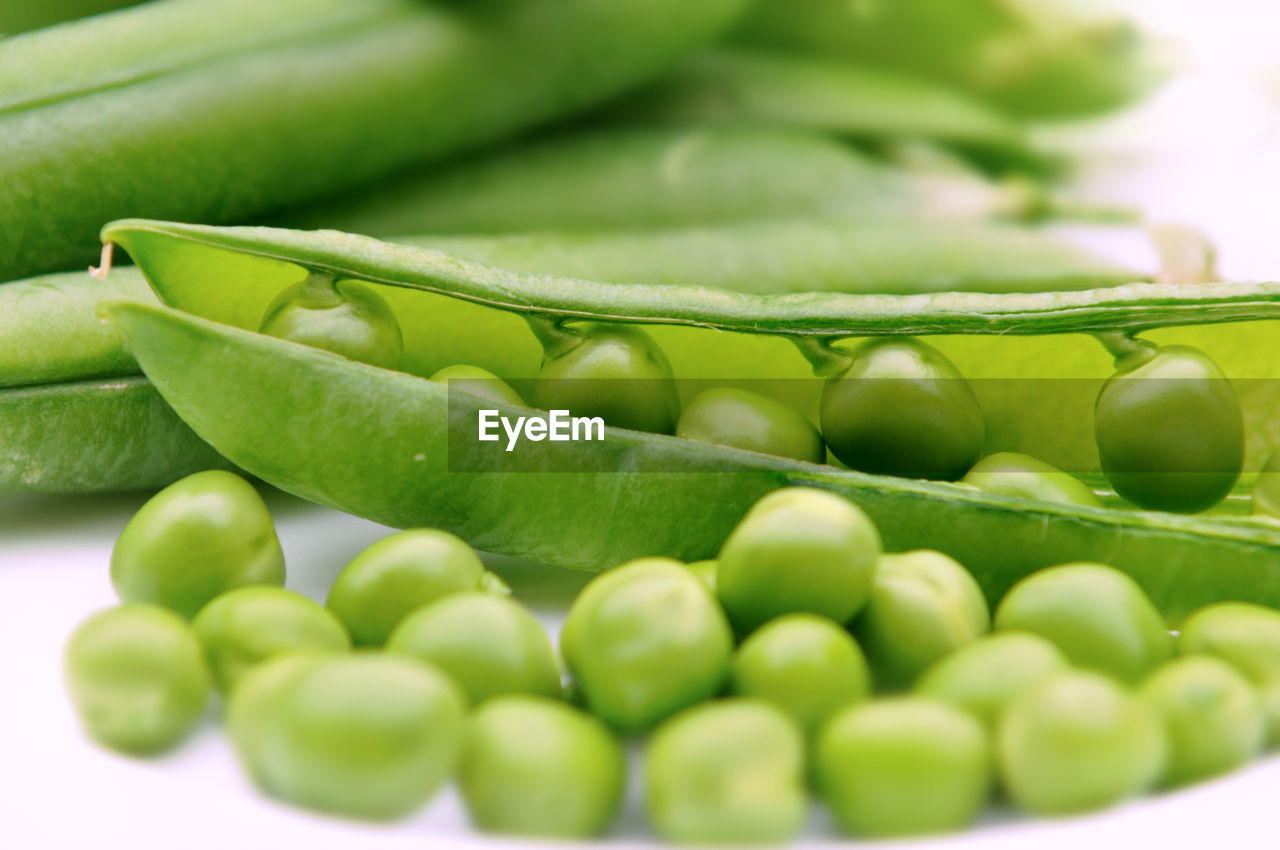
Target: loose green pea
903 766
196 538
644 640
1266 491
251 706
902 409
923 606
725 416
797 549
399 574
727 772
806 665
1170 432
1078 741
244 627
1247 637
1025 477
137 678
366 735
1097 616
536 767
615 372
480 383
988 674
490 645
347 318
706 571
1212 717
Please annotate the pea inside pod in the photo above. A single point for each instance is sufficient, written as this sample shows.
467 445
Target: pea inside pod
745 420
1026 477
345 317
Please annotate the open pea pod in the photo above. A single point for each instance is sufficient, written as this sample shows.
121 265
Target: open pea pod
390 446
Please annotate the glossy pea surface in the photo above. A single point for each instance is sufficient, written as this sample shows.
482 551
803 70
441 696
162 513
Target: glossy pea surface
244 627
1247 637
490 645
1098 616
1078 741
532 766
1212 716
985 676
345 317
1170 432
727 416
903 766
644 640
902 409
397 575
196 538
1025 477
797 549
250 709
615 372
726 772
137 678
805 664
478 382
923 606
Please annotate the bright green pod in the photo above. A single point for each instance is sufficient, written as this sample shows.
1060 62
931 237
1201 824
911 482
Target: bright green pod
985 676
727 416
344 318
22 17
1025 477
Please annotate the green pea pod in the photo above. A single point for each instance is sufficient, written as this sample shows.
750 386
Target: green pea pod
222 109
22 17
274 408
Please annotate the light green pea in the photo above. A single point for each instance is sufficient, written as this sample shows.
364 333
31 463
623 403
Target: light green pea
1247 637
923 606
1078 741
137 678
797 549
726 416
1025 477
983 677
244 627
1097 616
806 665
345 317
644 640
480 383
706 571
490 645
1212 717
251 706
727 772
196 538
903 766
536 767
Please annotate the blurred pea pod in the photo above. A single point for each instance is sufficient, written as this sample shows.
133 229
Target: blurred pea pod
1038 59
20 16
221 109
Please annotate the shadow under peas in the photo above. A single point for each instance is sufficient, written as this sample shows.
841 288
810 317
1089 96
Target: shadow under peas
543 588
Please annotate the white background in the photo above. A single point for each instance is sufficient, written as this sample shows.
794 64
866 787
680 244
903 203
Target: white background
1206 151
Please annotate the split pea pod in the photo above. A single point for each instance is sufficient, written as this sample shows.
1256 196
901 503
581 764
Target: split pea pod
274 407
223 109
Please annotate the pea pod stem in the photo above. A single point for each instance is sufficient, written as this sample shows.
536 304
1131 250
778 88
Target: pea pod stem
1129 351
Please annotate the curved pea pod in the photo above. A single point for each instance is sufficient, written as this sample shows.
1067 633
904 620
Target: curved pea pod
276 409
22 17
223 109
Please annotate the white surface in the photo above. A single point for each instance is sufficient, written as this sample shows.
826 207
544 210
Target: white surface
1207 151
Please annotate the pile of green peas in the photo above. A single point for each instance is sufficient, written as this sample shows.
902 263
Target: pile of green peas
802 661
1168 425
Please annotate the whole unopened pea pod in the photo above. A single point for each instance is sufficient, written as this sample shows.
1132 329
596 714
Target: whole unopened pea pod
218 110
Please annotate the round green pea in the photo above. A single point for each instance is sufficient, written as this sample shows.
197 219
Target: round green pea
1024 477
615 372
725 416
797 549
1078 741
490 645
137 678
537 767
366 735
251 706
1212 717
345 317
903 766
902 409
1247 637
244 627
923 606
399 574
1097 616
644 640
983 677
195 539
480 383
1170 432
805 664
726 772
706 572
